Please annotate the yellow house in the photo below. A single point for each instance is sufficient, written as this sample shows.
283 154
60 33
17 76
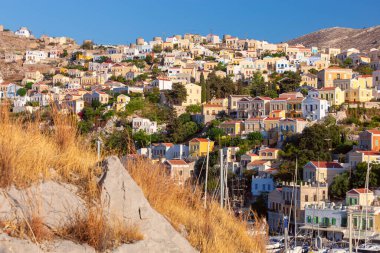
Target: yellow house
278 114
332 94
359 95
200 146
209 66
194 94
231 127
327 76
121 101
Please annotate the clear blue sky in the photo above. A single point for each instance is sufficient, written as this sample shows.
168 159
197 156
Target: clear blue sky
121 21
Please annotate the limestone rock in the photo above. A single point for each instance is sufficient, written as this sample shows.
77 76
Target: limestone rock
122 197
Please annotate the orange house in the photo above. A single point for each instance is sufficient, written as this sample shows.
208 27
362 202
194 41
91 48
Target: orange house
370 140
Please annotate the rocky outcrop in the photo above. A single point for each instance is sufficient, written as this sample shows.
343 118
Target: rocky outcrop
123 198
339 37
55 203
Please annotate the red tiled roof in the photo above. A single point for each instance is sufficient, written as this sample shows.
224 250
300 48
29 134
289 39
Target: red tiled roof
232 122
264 98
324 164
199 140
269 150
327 88
359 190
177 162
374 131
365 152
273 118
258 162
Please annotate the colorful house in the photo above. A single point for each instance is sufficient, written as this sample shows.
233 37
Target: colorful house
199 147
231 127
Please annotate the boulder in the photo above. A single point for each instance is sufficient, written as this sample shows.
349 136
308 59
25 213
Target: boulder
123 198
53 202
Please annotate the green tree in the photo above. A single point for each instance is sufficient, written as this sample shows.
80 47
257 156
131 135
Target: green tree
64 54
21 92
204 88
313 71
157 49
142 139
193 109
149 59
339 186
347 62
177 95
364 69
29 85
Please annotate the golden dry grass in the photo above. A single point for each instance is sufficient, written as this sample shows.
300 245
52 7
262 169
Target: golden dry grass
211 230
99 232
30 152
31 227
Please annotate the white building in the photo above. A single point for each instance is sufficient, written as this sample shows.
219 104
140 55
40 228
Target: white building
262 184
330 219
24 32
34 56
168 151
143 124
283 65
213 39
314 108
162 83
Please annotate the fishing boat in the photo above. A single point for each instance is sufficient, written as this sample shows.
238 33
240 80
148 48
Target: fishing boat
369 248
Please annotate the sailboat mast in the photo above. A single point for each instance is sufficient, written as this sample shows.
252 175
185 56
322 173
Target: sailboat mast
207 161
366 202
295 204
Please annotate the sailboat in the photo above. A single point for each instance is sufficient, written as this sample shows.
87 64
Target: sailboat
367 247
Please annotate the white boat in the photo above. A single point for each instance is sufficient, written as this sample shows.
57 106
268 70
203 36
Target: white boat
338 251
297 249
275 245
369 248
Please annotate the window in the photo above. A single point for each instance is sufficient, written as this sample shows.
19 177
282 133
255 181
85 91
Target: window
306 198
333 221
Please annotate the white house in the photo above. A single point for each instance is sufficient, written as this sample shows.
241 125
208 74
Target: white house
329 218
283 65
314 108
322 171
162 83
8 90
168 151
143 124
42 98
34 56
213 39
23 32
262 184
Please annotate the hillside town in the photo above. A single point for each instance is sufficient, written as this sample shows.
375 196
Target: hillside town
288 132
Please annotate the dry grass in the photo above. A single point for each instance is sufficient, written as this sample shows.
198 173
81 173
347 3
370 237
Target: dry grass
211 230
31 227
99 232
30 152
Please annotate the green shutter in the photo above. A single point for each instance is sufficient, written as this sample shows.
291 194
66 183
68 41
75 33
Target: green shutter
333 221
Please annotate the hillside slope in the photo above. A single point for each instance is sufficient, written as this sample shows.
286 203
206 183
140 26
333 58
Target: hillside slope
344 38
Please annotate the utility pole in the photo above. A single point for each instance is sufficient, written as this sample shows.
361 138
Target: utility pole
221 178
207 160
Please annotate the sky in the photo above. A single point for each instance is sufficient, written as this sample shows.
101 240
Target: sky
122 21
